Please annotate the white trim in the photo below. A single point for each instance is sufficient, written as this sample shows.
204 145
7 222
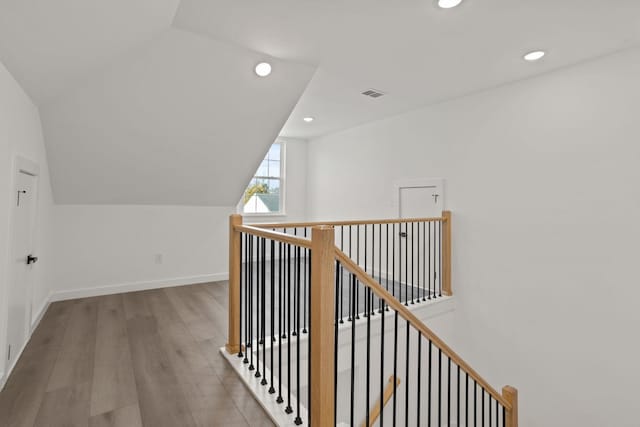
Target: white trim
274 410
137 286
32 327
413 183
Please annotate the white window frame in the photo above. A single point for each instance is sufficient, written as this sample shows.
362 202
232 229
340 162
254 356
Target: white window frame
281 211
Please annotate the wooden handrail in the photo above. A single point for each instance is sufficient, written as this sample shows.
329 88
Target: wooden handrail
352 222
406 314
382 401
274 235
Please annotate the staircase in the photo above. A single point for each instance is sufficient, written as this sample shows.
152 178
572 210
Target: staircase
322 320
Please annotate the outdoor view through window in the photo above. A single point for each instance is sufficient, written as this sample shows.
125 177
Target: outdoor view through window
263 195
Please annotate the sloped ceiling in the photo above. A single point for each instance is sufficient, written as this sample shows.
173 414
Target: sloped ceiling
135 111
154 101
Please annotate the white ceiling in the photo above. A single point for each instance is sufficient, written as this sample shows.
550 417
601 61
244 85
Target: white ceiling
184 120
50 45
155 101
417 53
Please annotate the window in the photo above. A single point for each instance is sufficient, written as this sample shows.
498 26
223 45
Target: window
264 194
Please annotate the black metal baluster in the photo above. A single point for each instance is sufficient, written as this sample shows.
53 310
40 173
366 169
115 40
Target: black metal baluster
466 399
458 397
482 407
406 371
353 348
393 260
406 264
298 420
366 293
252 290
296 288
429 367
382 334
357 312
425 259
351 290
285 288
258 307
475 403
490 417
247 281
440 257
309 355
417 263
341 300
273 308
242 278
280 399
306 286
288 408
380 302
395 365
368 361
429 264
439 387
264 312
335 348
412 265
448 391
418 405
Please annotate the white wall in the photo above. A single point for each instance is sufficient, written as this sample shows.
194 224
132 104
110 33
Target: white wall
20 134
542 178
106 249
112 248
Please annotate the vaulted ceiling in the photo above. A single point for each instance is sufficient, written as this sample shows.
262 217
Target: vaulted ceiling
155 101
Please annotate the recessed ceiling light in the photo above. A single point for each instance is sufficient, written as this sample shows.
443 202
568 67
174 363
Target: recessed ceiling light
534 56
263 69
308 119
448 4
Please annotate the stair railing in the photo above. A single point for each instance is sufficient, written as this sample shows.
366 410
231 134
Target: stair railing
284 286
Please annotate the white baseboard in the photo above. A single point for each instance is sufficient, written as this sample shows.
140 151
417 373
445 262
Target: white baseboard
137 286
32 327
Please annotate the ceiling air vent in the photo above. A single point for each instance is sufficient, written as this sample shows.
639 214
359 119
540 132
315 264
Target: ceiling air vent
373 93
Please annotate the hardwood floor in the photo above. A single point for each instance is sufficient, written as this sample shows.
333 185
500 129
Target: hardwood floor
146 358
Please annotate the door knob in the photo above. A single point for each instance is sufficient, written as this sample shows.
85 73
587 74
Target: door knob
31 259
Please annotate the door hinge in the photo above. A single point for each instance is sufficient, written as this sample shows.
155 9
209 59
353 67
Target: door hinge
9 352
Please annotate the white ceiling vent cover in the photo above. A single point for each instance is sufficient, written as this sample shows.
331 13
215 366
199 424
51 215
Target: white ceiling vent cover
373 93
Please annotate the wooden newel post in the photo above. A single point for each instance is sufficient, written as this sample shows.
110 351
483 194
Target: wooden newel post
233 338
446 253
322 326
511 395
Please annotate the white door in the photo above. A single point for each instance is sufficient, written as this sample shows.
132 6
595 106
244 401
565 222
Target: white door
422 198
420 201
22 260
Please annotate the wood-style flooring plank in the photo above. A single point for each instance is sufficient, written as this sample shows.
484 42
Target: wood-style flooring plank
21 398
140 359
67 406
75 358
128 416
113 384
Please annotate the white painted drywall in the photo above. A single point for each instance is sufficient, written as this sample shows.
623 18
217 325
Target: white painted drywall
21 134
107 249
113 248
542 178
